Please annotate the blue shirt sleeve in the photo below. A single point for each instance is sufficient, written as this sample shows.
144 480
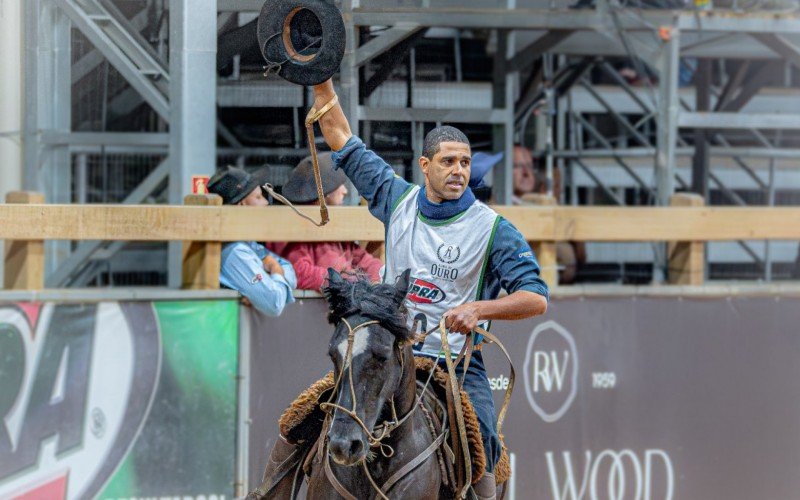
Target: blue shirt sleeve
288 271
513 263
243 271
373 177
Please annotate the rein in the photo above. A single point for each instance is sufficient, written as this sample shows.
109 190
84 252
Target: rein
312 117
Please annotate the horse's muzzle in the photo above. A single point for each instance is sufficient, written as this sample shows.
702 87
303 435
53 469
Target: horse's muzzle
349 447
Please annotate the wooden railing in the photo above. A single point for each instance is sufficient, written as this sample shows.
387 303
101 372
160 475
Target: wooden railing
203 223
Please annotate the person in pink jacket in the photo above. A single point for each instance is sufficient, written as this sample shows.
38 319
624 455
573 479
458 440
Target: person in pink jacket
312 260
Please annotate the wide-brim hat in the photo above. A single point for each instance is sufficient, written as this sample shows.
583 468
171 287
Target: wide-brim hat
233 184
302 40
301 188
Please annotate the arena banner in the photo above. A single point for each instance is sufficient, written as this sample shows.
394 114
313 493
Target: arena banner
615 398
118 400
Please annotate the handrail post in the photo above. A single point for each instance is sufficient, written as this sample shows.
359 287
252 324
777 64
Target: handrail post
24 259
201 259
686 258
545 250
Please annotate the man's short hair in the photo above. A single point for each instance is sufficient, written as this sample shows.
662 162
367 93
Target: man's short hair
435 137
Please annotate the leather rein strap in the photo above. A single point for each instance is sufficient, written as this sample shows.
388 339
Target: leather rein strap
312 117
466 355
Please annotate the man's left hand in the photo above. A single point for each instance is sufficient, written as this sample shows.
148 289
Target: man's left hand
463 318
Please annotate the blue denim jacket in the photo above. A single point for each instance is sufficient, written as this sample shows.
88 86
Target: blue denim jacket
243 271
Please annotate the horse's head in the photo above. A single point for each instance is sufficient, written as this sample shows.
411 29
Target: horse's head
376 317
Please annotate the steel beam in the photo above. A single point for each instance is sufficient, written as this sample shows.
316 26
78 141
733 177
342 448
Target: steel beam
619 118
384 42
738 120
667 118
503 132
193 111
145 139
239 5
700 161
47 64
535 49
94 58
494 116
781 45
545 19
126 64
611 195
604 142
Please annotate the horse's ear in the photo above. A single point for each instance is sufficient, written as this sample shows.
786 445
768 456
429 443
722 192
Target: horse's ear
402 283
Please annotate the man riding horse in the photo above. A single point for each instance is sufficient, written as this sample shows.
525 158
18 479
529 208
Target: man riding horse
460 253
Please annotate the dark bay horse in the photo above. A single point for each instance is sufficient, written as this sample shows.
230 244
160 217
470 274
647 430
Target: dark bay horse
379 442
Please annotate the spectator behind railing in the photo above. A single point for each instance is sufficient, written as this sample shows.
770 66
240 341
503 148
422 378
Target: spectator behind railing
262 277
312 260
570 255
523 174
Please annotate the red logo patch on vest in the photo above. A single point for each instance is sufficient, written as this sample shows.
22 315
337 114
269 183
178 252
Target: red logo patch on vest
425 292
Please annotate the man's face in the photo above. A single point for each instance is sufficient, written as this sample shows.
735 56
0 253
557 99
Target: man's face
524 181
447 173
336 197
255 199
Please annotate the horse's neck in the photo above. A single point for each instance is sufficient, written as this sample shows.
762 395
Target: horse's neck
406 394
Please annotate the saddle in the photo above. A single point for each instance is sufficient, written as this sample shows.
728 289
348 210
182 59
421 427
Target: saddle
301 424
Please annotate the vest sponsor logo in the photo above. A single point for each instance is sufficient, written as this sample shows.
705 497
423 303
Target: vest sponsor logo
448 253
611 474
551 371
76 385
444 272
425 292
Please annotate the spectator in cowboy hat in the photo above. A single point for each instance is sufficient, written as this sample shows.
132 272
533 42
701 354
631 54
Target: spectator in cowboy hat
312 260
262 277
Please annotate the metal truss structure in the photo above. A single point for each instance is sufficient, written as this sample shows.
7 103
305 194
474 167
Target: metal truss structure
718 135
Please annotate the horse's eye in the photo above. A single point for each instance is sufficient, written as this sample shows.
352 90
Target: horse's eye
380 358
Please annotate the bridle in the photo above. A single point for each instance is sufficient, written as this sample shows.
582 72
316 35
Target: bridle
375 436
384 430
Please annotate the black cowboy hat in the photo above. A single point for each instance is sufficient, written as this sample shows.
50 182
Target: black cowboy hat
302 40
233 184
301 188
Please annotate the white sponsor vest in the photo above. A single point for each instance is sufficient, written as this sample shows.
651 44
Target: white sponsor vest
447 260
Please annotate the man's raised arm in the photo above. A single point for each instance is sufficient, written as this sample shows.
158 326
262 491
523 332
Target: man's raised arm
374 179
334 125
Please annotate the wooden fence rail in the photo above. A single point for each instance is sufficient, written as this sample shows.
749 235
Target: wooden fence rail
685 225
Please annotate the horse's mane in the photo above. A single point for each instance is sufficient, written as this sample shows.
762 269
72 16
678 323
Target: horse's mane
381 302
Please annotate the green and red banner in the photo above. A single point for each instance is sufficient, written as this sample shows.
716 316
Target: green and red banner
118 400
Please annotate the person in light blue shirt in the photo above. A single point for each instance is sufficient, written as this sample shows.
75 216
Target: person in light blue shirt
262 277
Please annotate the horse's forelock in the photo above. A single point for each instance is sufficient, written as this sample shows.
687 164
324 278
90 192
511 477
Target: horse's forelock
380 302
